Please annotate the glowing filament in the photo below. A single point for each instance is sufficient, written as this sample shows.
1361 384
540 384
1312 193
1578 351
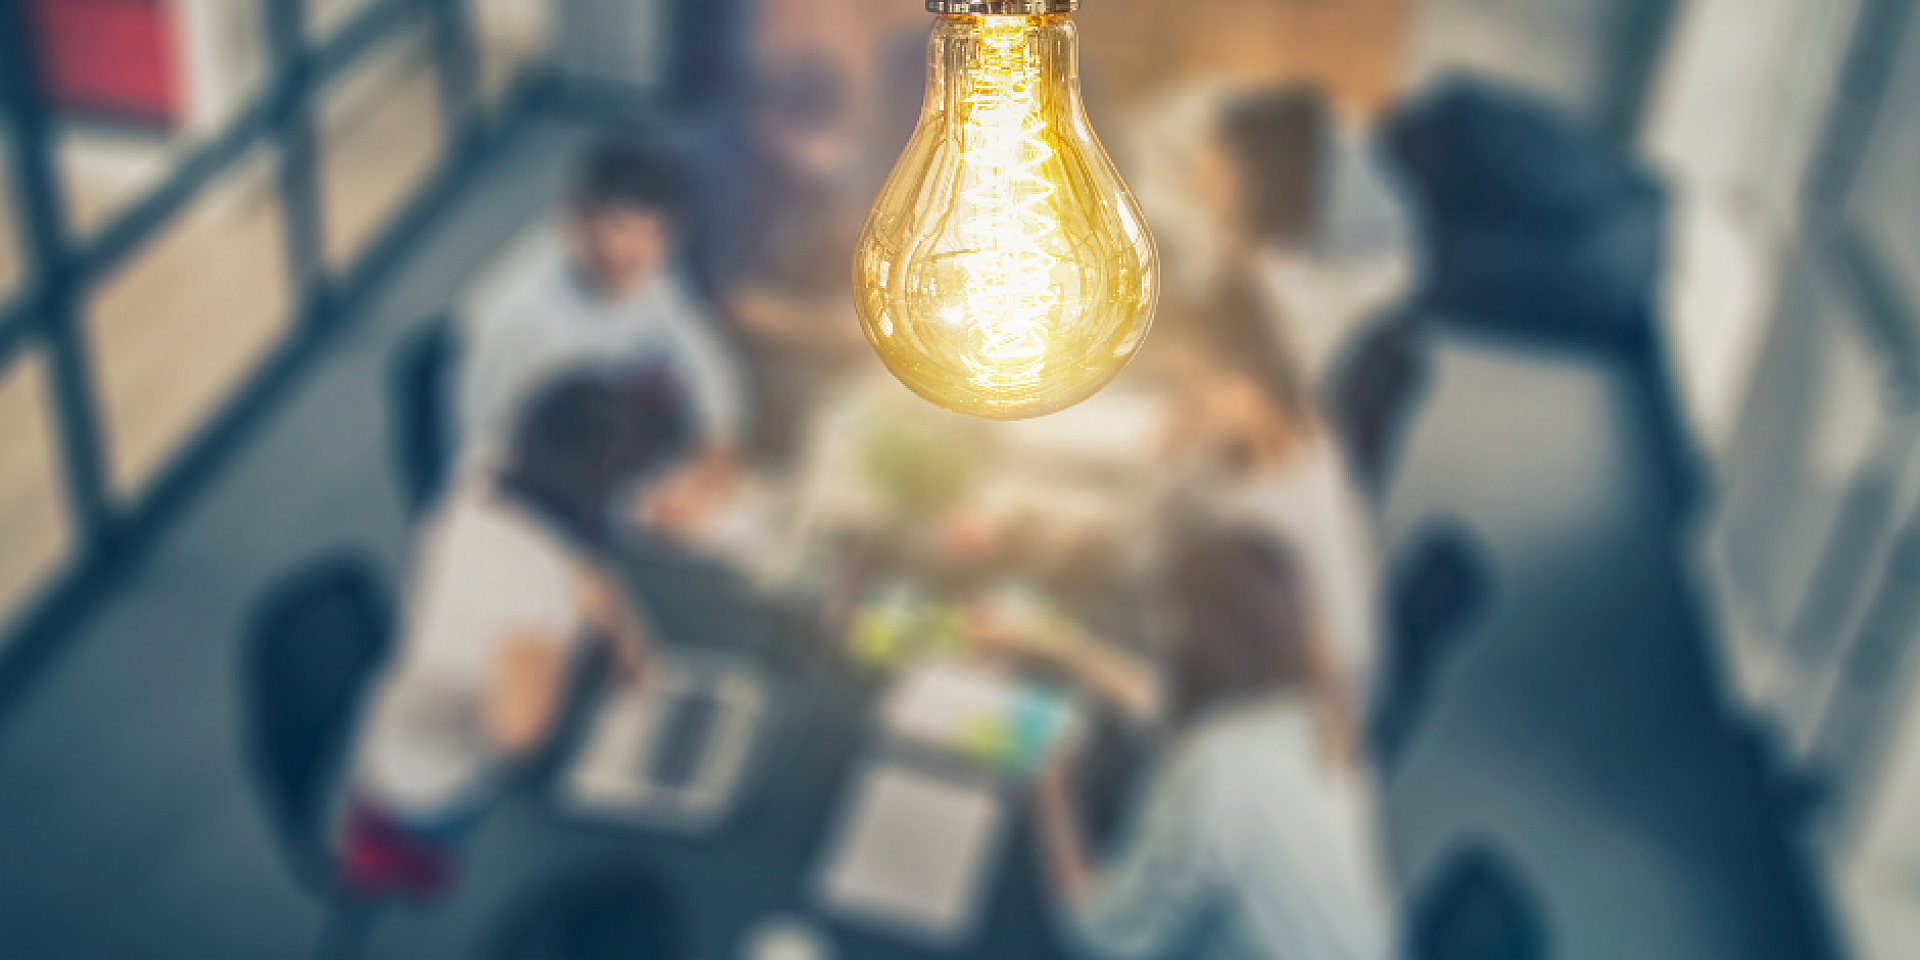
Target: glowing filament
1009 290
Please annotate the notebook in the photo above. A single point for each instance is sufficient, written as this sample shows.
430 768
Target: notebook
671 754
913 852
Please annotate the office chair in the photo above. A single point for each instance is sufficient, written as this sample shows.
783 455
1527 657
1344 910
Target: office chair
616 911
311 649
424 426
1479 907
1437 589
1373 395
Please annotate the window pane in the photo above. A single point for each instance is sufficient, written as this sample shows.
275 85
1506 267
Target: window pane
380 133
326 17
512 35
176 330
137 86
1886 201
12 266
33 513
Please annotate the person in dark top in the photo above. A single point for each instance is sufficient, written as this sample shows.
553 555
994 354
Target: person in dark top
776 220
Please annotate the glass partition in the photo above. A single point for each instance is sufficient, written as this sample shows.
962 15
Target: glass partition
134 92
187 319
34 526
512 35
13 268
326 17
380 137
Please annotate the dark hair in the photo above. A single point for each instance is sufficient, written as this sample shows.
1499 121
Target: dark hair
585 436
1245 629
621 174
1277 141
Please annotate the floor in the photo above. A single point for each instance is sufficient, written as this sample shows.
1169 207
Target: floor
129 831
1579 729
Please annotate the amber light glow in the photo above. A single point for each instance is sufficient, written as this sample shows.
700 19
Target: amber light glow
1005 271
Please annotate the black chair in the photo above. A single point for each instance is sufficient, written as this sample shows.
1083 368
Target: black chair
1438 588
1479 907
424 426
1372 397
618 911
311 649
1532 225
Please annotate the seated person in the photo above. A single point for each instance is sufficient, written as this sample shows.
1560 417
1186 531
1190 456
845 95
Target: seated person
778 215
509 583
1258 832
601 290
1305 216
1254 449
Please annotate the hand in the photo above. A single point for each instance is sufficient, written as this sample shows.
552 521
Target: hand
625 630
1011 621
688 497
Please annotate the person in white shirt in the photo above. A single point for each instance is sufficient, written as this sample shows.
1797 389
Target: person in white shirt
509 582
601 289
1254 449
1307 216
1257 837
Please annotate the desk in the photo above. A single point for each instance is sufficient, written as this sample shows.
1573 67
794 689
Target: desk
763 861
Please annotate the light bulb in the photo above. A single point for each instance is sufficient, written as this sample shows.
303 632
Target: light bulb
1006 271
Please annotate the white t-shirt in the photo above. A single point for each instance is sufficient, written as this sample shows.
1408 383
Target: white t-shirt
1250 828
1312 506
486 572
536 318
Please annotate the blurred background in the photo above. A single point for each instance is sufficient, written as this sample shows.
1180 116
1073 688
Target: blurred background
1608 312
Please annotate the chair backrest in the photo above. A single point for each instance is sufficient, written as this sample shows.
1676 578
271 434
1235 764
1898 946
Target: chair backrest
315 641
1439 586
1373 396
620 911
1479 907
424 426
1531 223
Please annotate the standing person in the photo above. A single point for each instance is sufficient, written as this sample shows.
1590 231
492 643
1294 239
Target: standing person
603 289
509 583
1307 219
1258 831
1254 449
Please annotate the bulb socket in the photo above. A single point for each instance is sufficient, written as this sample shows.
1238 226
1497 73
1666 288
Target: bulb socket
990 8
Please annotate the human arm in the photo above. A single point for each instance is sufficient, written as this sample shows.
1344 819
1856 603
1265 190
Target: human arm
682 500
1158 886
1063 841
1022 626
820 325
611 614
523 689
528 672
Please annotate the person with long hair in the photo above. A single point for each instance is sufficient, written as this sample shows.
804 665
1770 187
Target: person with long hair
511 580
1255 449
1258 831
1307 217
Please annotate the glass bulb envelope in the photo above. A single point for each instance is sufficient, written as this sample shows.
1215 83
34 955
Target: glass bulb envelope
1006 271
